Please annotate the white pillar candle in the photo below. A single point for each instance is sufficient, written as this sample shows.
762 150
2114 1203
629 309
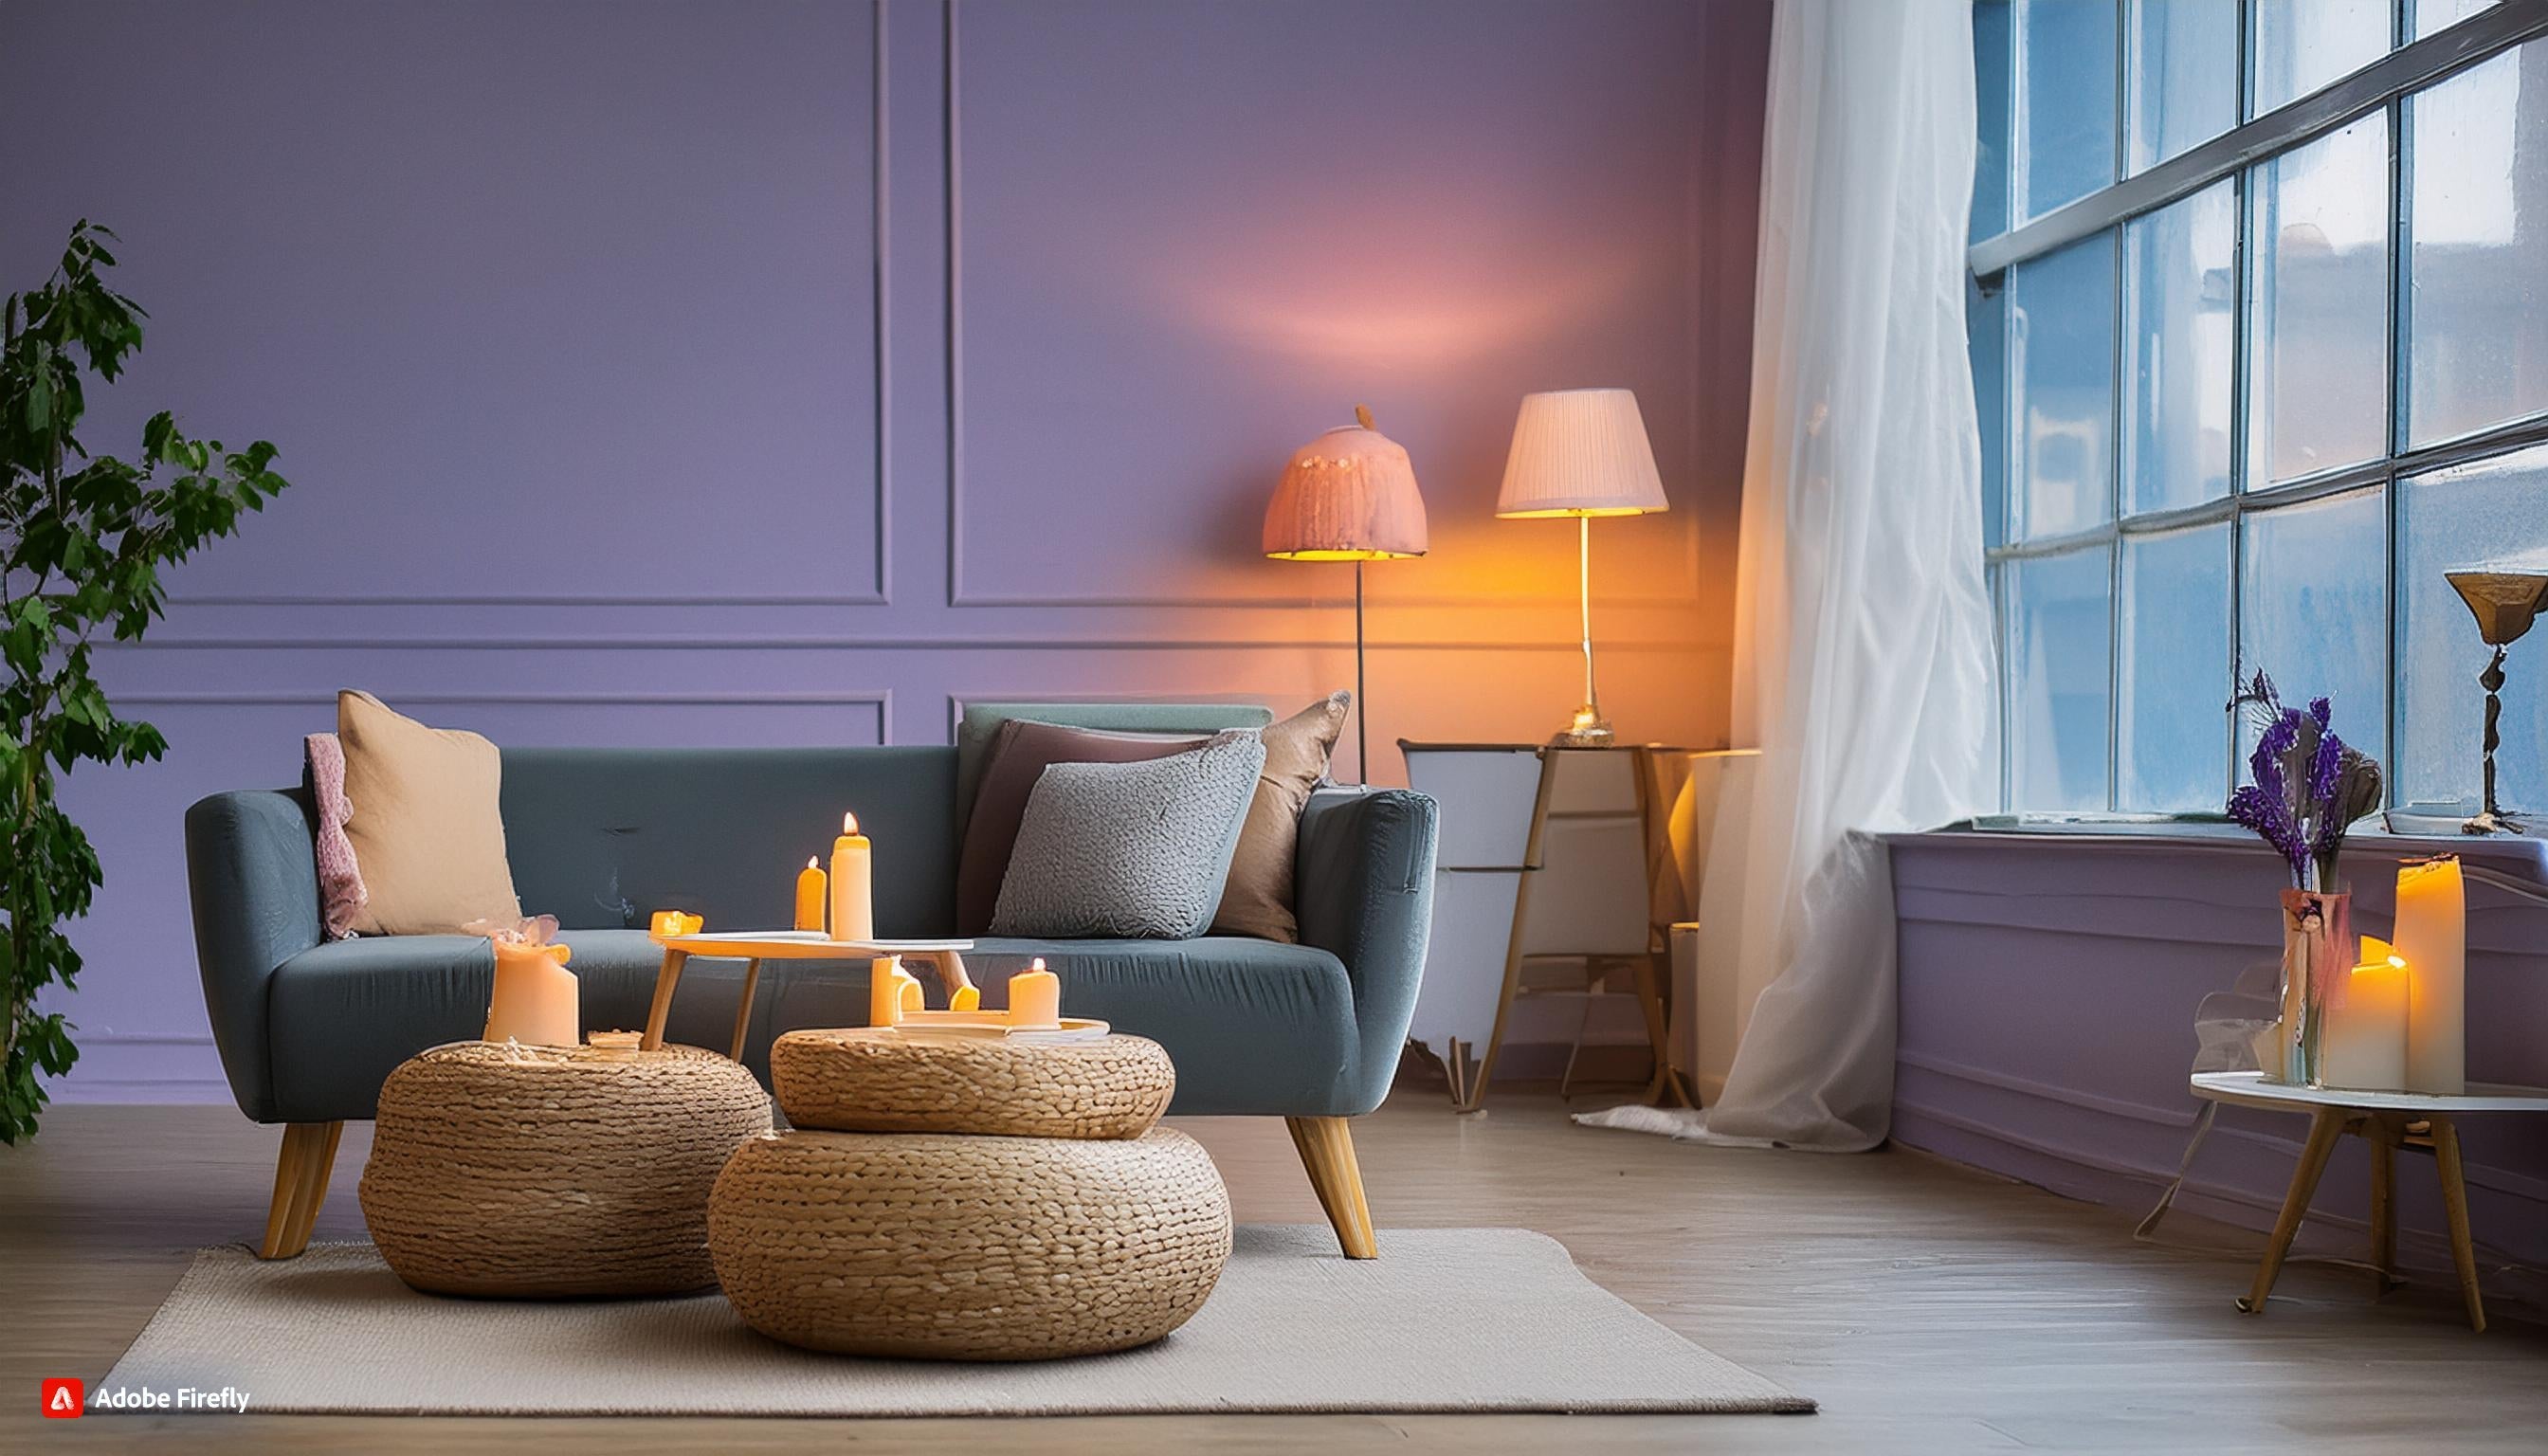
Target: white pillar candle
2432 935
2366 1027
853 884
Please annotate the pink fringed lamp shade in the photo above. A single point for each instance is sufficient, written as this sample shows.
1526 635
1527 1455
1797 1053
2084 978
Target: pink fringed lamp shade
1581 452
1347 495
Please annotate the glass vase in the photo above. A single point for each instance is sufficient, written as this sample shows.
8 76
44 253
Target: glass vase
2318 947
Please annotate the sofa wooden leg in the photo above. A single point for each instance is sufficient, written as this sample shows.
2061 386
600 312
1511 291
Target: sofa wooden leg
1328 1151
300 1186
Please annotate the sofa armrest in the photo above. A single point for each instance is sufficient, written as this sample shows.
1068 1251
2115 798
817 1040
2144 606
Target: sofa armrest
1364 892
252 873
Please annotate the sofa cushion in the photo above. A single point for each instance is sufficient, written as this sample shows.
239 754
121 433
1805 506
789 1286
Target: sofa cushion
1129 848
1253 1027
1019 754
1257 901
603 838
981 720
426 831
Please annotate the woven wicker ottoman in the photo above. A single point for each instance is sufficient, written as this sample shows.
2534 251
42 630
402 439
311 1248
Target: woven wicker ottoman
532 1172
1019 1203
860 1082
960 1247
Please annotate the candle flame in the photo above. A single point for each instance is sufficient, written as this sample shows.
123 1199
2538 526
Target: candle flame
849 824
1038 966
809 863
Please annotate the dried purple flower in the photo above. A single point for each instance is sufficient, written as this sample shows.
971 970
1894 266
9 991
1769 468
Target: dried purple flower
2309 787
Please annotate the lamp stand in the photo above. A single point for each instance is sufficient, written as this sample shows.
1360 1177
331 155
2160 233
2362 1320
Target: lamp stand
2491 819
1590 729
1362 714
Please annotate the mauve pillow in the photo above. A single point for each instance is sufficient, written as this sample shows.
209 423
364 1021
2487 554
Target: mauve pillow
340 879
1020 752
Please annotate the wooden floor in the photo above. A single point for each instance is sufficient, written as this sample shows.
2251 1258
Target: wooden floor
1927 1308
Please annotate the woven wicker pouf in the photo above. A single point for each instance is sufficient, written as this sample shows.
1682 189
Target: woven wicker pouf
860 1080
955 1247
535 1171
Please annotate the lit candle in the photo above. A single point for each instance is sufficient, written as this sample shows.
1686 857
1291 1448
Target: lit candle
2366 1027
2432 935
535 1000
853 889
893 992
1034 997
812 887
666 924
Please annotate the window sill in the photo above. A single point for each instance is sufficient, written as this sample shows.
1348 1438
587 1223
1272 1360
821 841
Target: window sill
2521 856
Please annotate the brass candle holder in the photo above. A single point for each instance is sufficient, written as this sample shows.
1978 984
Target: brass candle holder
2503 603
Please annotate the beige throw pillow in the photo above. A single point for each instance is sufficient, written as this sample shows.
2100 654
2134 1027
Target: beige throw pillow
426 828
1257 900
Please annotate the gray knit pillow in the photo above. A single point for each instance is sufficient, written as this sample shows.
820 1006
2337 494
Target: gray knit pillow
1137 849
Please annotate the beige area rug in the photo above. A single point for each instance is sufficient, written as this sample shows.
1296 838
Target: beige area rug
1448 1320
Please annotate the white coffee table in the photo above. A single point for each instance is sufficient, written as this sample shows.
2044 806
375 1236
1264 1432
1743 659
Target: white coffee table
755 947
2389 1121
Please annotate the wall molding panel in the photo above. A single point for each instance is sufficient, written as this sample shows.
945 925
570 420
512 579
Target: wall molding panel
876 593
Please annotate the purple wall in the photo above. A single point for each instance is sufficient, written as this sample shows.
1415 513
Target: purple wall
705 373
2048 986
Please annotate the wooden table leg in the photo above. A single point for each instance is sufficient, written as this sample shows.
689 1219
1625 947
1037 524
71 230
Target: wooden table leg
665 980
2384 1134
2446 1152
742 1008
953 977
2325 1126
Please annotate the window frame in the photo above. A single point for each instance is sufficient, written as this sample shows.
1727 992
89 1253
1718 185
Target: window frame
2384 86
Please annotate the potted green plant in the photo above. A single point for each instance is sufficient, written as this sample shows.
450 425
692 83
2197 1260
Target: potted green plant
83 539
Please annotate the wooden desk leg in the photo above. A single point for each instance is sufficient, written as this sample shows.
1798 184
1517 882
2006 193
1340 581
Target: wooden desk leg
2325 1126
2446 1152
1531 862
1665 1088
665 980
2384 1136
742 1008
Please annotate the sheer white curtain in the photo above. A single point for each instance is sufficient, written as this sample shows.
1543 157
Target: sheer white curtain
1863 664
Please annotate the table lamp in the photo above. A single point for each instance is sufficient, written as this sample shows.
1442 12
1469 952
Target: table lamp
1348 496
2503 603
1582 453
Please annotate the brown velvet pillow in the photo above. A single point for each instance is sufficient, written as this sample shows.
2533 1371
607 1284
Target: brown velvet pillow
1257 900
1019 754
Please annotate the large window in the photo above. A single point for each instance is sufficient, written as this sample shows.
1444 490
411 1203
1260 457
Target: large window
2260 337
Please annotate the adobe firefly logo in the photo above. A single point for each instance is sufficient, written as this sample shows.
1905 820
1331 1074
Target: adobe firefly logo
65 1400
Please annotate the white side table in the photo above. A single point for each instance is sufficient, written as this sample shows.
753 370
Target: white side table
2389 1121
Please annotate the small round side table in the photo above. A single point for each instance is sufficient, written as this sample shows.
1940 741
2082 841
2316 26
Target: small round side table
2389 1121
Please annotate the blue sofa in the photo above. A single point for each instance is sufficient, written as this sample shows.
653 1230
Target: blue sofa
308 1028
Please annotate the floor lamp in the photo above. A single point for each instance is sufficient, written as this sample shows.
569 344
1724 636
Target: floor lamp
1582 453
1348 496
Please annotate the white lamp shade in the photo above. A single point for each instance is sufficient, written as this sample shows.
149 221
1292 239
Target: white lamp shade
1581 452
